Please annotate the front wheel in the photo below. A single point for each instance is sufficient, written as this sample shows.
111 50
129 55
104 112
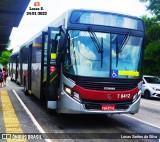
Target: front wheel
147 94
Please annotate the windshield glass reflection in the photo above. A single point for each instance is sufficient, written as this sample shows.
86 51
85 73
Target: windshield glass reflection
121 55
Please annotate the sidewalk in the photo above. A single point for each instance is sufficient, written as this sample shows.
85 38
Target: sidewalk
13 117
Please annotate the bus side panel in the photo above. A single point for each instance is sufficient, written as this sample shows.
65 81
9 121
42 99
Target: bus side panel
36 71
10 67
15 66
24 65
14 69
18 70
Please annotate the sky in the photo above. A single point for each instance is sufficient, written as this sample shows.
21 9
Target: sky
32 24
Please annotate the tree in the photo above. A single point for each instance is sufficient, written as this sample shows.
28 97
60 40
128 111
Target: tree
152 46
152 58
152 39
152 29
153 6
4 58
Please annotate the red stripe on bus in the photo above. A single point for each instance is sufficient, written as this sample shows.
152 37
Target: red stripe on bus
105 95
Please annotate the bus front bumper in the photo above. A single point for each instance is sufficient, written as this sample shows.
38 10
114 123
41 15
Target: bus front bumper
68 105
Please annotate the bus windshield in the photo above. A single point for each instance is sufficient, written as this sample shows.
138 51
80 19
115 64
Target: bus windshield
120 57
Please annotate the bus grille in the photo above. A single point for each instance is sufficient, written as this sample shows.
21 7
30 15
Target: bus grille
114 84
97 83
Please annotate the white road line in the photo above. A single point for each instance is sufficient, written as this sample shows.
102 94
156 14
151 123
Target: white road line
143 121
31 116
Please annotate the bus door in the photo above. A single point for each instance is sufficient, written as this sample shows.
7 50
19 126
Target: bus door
53 67
29 67
17 67
44 66
50 76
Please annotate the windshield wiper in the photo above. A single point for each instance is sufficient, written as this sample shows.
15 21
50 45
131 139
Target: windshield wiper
98 45
124 42
121 47
95 40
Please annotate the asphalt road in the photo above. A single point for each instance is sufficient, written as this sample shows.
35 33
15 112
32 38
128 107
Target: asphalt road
149 111
95 127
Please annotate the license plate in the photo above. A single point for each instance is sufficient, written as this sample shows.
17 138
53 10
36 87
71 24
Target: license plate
108 107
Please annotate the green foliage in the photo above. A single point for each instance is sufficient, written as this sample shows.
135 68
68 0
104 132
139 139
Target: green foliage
153 6
152 29
152 58
4 58
152 44
152 51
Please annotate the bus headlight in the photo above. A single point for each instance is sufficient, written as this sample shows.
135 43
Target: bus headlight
67 90
137 95
76 96
139 92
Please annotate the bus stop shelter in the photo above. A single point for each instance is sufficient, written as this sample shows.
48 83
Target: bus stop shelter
11 13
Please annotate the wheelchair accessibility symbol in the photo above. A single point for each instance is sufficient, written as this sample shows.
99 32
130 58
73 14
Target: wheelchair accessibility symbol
114 73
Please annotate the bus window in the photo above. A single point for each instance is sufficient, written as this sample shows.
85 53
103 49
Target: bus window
54 45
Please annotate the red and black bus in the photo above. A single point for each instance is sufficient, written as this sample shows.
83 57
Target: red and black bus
86 61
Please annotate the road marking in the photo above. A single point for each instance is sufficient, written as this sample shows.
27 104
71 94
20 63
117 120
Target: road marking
11 122
142 121
31 116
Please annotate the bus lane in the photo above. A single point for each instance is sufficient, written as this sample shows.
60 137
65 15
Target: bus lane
81 127
91 127
148 113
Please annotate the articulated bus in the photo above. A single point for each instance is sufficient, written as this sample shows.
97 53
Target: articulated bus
13 66
86 61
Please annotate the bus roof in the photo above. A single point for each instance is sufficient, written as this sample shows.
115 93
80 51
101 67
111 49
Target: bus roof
61 20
